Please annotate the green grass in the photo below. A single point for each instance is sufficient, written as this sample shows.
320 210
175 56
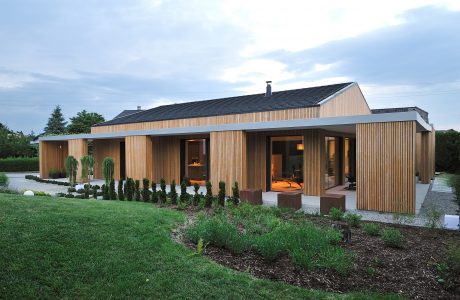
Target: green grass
66 248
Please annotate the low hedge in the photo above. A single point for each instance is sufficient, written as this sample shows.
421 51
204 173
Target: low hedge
19 164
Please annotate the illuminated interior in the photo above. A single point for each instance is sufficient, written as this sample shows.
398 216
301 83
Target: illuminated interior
331 162
286 163
196 160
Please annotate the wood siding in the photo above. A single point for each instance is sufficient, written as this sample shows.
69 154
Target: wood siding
228 159
314 162
166 159
52 156
257 160
287 114
139 162
103 149
78 148
386 166
427 155
348 103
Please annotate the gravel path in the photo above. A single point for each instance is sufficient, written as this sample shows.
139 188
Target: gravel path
18 182
441 197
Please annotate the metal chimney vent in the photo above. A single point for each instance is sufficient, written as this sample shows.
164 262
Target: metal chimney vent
268 92
138 108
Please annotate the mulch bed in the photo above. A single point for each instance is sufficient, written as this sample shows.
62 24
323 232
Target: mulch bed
410 271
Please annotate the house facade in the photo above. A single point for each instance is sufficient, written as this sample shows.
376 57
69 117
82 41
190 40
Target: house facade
307 140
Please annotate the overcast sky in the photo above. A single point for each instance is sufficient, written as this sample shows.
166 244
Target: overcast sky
107 56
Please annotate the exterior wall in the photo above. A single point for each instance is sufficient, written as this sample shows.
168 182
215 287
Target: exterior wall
78 148
418 152
288 114
166 159
103 149
257 160
139 157
427 154
386 166
348 103
314 162
228 159
52 156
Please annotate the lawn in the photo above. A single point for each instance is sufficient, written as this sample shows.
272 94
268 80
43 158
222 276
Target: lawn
62 248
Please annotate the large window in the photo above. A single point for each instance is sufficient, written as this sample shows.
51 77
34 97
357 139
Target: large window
286 163
331 162
196 161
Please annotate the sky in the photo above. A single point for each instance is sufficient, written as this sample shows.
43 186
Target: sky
108 56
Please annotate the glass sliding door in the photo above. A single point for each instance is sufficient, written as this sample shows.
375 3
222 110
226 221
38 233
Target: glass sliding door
331 162
286 163
196 161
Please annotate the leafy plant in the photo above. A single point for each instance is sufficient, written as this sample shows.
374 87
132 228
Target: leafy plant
372 229
196 196
108 167
432 217
392 237
453 257
137 191
208 197
3 180
145 190
183 192
127 190
121 194
236 194
105 192
71 166
87 165
173 192
154 192
352 219
112 193
87 189
162 194
336 214
371 271
95 188
221 194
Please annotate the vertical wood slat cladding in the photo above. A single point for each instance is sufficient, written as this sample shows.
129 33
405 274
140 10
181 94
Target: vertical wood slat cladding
166 159
52 156
427 156
348 103
418 152
314 160
103 149
287 114
386 166
228 159
78 148
257 160
139 157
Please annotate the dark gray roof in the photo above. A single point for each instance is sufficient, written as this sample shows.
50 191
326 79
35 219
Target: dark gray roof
420 111
298 98
127 112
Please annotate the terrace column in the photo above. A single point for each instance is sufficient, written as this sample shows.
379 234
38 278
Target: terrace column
52 156
139 159
314 158
385 166
426 156
228 159
78 148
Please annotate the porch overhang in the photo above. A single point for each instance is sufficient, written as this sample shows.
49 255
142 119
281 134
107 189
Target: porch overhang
345 124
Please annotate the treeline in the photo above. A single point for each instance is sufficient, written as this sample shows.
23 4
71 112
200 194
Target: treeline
15 143
448 151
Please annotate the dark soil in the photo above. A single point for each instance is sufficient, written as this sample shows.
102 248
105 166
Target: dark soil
410 271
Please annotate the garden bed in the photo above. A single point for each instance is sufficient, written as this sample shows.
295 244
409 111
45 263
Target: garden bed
415 271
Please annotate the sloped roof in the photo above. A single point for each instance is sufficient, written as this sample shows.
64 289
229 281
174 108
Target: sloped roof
127 112
298 98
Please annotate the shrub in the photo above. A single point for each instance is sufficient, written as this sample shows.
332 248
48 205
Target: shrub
87 164
236 194
336 214
392 237
173 193
19 164
71 166
162 195
372 229
81 191
54 174
112 193
71 190
121 195
95 188
126 190
352 219
60 195
154 192
432 217
221 194
86 191
3 180
38 179
196 196
208 197
453 258
183 192
108 167
270 245
105 192
69 196
129 189
145 190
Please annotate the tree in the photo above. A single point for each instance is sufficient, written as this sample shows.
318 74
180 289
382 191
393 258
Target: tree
83 121
56 124
15 143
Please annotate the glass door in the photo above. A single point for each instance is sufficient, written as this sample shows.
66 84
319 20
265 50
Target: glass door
331 162
196 161
286 163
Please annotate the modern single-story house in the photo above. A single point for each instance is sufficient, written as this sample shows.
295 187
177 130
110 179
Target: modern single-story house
308 140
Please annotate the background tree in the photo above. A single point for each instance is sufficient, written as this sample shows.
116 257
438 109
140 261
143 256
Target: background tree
15 143
56 124
447 151
83 121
